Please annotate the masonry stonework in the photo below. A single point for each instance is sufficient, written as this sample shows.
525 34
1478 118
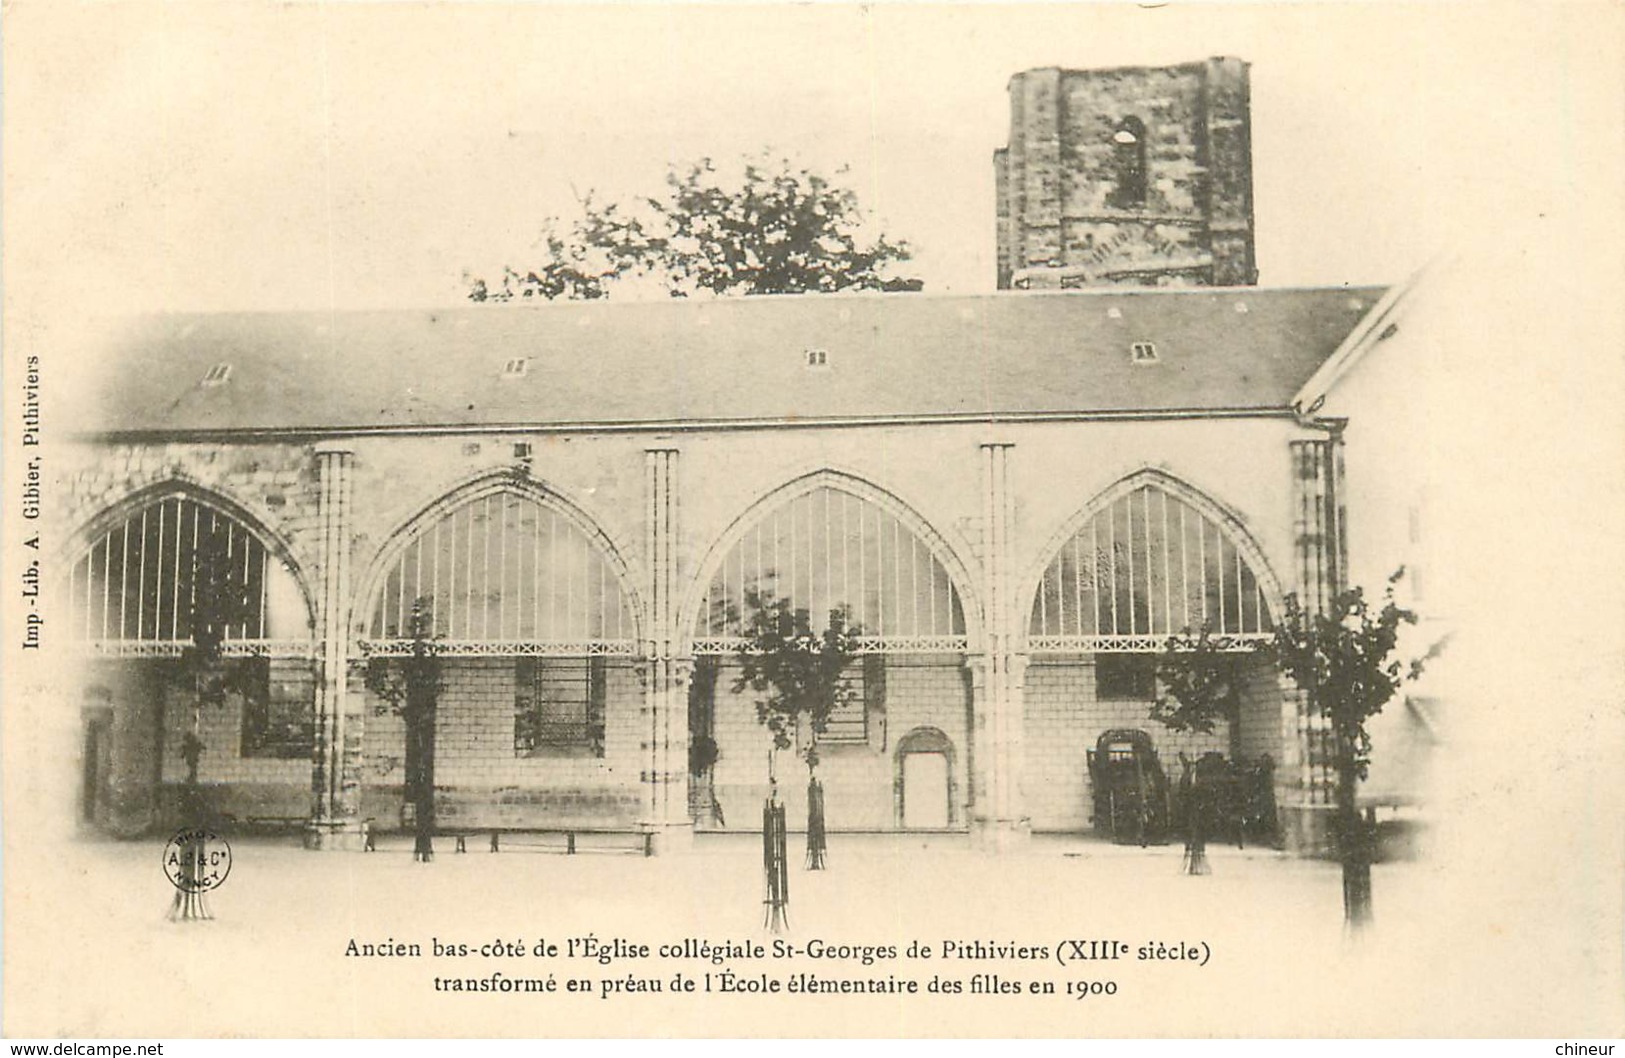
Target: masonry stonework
1133 175
923 692
1065 716
991 503
397 479
246 788
276 483
481 781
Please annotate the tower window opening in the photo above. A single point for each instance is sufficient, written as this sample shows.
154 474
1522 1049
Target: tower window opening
1128 163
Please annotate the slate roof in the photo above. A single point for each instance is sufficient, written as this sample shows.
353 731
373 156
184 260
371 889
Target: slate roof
725 361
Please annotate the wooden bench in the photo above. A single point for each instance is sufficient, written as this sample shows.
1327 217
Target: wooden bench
262 822
277 821
509 816
644 844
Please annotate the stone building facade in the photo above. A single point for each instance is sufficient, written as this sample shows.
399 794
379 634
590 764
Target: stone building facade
1138 176
1018 498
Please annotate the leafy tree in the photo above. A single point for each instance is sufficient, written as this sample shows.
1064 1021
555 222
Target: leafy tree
410 687
1197 683
798 676
1344 659
582 261
219 599
703 751
776 228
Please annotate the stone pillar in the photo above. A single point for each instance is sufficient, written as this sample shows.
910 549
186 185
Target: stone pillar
1318 520
1305 782
998 675
335 817
665 675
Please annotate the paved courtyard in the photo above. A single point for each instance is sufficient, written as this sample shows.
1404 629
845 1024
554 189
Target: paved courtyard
1278 962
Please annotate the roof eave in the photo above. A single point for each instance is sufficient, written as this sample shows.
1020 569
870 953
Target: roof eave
240 433
1365 336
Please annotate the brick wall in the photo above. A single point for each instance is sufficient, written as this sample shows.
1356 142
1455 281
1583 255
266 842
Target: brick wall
860 781
242 786
478 777
1261 712
1063 719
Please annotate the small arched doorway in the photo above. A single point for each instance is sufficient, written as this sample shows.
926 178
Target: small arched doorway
925 780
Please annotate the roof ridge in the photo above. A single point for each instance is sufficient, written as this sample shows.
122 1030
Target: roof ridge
778 300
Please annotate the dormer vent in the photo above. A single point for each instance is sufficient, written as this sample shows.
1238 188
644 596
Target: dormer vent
217 375
516 368
1143 352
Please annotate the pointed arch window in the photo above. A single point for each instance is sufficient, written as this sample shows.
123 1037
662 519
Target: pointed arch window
828 548
506 573
178 566
1128 165
179 571
1148 565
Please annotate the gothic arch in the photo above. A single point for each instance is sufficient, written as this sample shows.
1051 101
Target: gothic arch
938 548
184 489
1252 569
566 517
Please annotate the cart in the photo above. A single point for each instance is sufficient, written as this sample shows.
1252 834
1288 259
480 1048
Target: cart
1131 794
1230 800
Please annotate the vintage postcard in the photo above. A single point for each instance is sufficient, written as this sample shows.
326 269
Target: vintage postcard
883 520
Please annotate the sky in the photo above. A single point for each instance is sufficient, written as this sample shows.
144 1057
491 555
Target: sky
368 155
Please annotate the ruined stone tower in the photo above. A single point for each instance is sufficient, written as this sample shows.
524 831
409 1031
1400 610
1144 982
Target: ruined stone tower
1131 176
